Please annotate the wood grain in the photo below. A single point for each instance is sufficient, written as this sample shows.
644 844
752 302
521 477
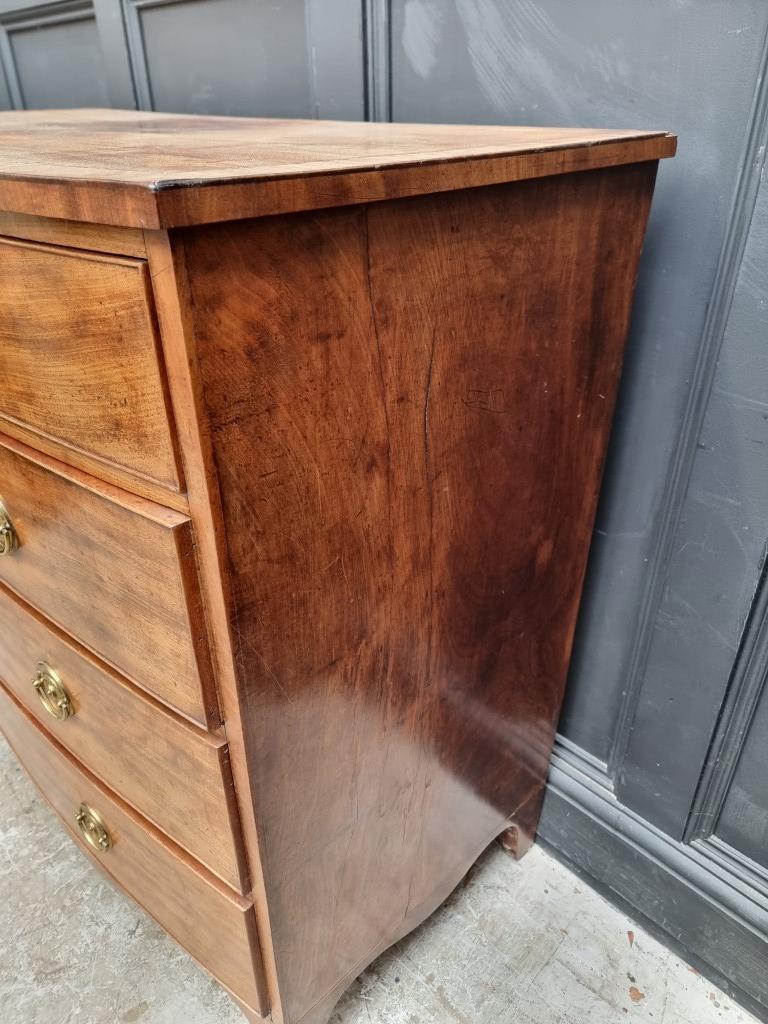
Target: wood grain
181 781
115 571
409 406
78 357
141 169
393 393
78 460
171 290
220 933
93 237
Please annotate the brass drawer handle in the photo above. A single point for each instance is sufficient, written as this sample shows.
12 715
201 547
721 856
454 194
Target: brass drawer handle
52 692
9 539
93 829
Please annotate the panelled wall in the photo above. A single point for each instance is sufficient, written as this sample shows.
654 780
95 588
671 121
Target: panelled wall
659 789
277 59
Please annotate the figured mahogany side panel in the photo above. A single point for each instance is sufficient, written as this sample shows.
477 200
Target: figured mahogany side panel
409 406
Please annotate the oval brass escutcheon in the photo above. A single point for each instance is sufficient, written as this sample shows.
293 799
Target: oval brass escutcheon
52 692
93 829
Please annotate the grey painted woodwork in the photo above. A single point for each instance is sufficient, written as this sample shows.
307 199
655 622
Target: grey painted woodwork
277 59
265 43
52 56
743 822
713 570
659 790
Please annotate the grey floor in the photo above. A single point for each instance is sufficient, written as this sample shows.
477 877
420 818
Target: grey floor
519 943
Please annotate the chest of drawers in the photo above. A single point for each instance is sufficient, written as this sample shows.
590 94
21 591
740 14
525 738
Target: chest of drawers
301 432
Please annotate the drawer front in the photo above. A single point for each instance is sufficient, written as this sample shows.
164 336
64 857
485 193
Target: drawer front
174 774
115 571
79 356
216 926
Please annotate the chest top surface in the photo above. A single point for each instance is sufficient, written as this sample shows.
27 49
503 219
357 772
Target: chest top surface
140 169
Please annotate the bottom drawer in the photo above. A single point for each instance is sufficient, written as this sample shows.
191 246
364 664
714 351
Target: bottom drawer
215 925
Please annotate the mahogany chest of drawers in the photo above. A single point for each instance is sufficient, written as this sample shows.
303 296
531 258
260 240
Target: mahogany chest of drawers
301 432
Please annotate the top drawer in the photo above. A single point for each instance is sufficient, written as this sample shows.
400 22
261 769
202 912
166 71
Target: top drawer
79 357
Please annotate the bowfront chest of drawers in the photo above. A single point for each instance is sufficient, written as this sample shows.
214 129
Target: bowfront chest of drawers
301 431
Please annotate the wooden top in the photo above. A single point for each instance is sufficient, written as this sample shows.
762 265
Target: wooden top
139 169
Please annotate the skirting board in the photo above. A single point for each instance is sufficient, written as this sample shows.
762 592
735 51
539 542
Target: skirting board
710 919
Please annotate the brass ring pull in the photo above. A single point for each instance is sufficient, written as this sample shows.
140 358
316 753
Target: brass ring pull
52 692
93 829
9 539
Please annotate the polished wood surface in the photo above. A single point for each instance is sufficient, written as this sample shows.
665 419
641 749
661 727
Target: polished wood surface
142 169
346 535
93 237
409 407
78 356
176 316
115 571
181 781
210 921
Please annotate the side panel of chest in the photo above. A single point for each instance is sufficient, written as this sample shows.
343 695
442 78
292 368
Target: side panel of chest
409 405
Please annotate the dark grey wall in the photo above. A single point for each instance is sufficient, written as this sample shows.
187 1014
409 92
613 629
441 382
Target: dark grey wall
277 59
659 788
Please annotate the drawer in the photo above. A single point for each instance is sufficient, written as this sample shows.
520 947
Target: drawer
174 774
213 923
115 571
79 357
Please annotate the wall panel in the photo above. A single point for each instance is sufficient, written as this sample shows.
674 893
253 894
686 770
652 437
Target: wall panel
52 56
220 56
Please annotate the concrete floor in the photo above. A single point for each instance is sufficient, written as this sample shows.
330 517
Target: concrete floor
519 943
